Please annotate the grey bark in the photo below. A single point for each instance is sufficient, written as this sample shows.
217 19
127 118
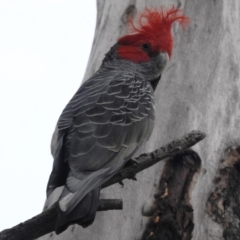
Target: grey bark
199 89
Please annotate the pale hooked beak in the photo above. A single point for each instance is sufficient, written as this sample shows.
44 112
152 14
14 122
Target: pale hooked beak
161 60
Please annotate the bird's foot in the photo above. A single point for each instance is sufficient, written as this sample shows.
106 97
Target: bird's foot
133 178
121 183
131 162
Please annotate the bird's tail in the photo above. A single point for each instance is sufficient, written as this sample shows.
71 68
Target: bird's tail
79 200
83 214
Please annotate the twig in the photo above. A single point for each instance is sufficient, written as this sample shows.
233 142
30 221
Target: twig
44 222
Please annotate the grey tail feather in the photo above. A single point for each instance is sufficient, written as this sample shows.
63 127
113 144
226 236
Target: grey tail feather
86 208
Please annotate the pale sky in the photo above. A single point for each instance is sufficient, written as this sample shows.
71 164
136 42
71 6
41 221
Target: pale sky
44 49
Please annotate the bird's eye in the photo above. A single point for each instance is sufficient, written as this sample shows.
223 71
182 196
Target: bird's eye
146 47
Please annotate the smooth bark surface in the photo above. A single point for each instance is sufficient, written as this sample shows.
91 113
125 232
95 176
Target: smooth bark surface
199 89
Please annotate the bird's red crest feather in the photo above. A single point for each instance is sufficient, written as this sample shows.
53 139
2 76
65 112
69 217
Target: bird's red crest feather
153 27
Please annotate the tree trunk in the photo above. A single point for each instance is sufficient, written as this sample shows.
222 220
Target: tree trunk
199 89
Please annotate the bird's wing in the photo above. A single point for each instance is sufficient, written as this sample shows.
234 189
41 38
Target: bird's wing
84 99
108 125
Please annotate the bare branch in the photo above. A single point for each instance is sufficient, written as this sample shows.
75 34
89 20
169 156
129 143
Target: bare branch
44 222
146 160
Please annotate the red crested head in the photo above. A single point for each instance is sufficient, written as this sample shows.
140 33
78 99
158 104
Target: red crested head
151 34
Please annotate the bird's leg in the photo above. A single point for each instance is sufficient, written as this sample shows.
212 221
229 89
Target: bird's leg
132 162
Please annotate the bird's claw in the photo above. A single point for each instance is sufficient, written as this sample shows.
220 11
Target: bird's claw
121 183
134 178
133 161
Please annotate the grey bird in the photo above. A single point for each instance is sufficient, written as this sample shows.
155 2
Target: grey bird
109 118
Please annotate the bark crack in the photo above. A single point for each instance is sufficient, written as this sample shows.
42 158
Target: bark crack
171 212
